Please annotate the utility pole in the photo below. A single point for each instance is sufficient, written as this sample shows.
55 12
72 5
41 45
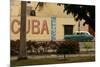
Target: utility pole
22 48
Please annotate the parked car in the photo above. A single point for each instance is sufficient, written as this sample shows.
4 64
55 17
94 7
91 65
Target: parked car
79 36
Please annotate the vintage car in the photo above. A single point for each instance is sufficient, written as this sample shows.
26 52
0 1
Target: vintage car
79 36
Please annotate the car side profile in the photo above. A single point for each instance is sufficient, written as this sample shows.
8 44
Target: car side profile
79 36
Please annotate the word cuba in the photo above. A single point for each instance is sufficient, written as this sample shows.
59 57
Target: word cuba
34 26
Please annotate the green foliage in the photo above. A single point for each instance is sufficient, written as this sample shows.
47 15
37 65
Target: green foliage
87 45
14 45
68 47
82 12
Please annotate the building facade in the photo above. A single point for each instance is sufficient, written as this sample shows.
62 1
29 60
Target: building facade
49 23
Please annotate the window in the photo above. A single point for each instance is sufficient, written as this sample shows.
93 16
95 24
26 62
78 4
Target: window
68 29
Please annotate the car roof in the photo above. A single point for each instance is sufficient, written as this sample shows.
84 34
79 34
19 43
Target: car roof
81 32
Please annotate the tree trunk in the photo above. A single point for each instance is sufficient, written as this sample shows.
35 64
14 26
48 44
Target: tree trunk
22 49
64 56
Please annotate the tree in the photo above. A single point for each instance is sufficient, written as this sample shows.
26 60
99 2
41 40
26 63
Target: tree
80 12
22 49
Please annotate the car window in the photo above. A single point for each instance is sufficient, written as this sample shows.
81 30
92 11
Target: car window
77 33
80 33
83 33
